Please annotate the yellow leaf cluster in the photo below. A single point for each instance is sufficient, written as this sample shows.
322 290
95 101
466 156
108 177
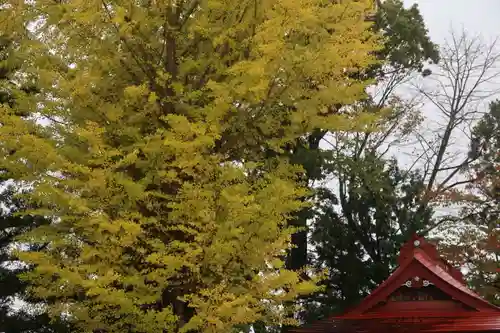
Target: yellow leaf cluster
168 214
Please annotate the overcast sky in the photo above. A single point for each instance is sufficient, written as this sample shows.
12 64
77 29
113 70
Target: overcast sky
479 16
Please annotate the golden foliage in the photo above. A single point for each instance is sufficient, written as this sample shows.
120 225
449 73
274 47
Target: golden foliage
167 216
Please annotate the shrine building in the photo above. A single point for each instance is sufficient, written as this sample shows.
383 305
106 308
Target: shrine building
424 294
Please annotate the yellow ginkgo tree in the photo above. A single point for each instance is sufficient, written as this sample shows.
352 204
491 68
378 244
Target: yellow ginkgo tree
156 150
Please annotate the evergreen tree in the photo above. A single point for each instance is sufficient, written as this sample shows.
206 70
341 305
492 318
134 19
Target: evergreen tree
485 277
341 217
161 164
406 49
477 243
357 233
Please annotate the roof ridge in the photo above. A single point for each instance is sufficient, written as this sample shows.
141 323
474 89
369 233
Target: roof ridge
425 255
449 278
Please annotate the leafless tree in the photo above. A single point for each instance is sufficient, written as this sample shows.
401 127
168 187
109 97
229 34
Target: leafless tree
455 97
466 78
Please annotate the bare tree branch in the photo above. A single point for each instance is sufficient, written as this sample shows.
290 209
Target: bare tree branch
466 77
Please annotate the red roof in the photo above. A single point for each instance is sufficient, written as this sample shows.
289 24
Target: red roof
441 273
422 323
419 266
419 263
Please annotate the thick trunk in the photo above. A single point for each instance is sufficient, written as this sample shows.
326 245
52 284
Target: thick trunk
297 257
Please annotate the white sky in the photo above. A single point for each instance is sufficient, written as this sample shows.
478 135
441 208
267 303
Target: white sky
479 16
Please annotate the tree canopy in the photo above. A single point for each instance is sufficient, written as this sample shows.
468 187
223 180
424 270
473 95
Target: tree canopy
232 166
150 151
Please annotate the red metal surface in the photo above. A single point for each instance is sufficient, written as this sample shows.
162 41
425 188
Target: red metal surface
448 306
429 323
424 263
442 274
462 310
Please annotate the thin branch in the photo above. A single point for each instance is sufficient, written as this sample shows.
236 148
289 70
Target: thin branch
466 65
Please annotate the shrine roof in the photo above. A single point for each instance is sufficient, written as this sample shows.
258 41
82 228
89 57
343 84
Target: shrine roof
436 269
418 322
421 270
420 258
